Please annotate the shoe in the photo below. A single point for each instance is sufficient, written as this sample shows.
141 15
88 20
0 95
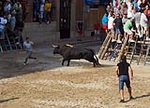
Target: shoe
147 38
131 98
118 41
24 63
113 40
131 40
121 101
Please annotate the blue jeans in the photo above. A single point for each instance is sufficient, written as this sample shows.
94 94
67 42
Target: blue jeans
124 79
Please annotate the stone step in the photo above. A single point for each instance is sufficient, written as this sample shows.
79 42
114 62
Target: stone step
35 26
41 34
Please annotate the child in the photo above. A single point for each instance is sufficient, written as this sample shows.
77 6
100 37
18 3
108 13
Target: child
28 45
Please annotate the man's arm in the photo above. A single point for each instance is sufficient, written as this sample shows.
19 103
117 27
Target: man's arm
117 71
131 73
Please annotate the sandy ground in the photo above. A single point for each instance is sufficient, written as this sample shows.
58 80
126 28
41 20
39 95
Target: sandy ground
44 83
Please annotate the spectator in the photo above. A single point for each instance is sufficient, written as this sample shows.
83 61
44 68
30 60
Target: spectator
111 29
124 8
127 29
111 26
41 15
7 6
118 25
17 7
143 5
48 12
137 16
36 7
3 22
144 24
105 22
13 21
96 29
124 19
136 5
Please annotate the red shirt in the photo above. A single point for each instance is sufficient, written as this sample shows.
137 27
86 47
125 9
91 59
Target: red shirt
96 26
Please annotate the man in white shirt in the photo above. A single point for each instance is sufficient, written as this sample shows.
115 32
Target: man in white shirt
111 26
144 24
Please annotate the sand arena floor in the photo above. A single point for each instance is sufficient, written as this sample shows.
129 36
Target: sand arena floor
44 83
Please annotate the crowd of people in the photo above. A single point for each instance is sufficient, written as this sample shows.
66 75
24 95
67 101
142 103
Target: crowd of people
12 17
42 11
131 17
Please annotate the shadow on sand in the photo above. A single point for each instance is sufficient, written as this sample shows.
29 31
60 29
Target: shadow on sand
139 97
6 100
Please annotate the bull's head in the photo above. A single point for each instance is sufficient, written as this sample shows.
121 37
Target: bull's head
56 49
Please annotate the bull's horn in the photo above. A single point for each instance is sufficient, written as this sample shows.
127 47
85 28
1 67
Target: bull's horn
54 46
69 45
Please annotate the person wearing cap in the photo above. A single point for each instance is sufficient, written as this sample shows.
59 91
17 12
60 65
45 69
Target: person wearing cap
125 73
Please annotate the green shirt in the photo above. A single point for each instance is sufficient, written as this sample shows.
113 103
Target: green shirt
128 25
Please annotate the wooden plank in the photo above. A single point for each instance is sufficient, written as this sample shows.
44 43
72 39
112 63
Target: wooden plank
122 48
105 43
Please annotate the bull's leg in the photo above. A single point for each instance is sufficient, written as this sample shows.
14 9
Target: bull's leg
94 64
63 62
68 62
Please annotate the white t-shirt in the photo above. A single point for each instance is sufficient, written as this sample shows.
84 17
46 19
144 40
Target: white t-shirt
41 7
110 22
3 21
143 20
28 45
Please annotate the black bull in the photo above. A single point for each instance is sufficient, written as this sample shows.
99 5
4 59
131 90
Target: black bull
68 52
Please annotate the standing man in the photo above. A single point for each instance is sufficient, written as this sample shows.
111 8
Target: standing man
125 74
28 45
47 10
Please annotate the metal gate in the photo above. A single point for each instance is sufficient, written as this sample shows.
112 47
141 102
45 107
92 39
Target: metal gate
65 16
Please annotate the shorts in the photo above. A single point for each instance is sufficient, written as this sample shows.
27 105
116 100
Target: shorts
105 27
124 79
129 32
117 30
